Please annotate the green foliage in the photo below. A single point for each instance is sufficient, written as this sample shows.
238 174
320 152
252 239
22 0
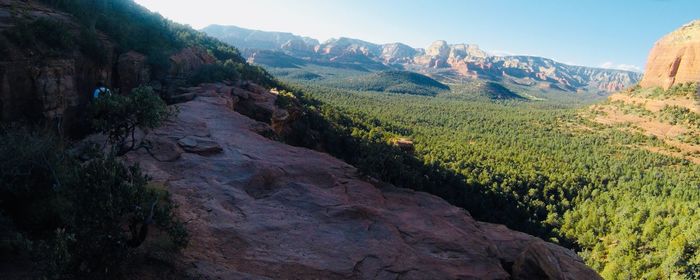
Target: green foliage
689 90
215 73
49 34
633 109
256 74
285 99
107 223
475 90
133 27
631 213
395 82
680 115
81 219
29 174
119 116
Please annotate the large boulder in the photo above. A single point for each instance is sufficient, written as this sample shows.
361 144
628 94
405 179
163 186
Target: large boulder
675 58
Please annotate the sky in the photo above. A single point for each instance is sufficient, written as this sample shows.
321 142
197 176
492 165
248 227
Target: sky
600 33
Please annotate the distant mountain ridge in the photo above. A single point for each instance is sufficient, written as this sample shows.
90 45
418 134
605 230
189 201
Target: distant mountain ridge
247 38
441 60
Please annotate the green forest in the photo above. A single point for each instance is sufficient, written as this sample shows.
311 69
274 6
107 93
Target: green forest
538 167
506 156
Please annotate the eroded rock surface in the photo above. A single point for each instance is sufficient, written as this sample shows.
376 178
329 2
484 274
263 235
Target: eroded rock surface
675 58
39 83
261 209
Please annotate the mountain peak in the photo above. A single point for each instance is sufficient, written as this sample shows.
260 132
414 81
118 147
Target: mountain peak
442 60
438 48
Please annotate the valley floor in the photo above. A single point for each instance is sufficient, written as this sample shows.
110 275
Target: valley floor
542 167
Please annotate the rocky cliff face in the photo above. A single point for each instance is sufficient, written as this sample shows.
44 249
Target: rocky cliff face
36 84
397 53
260 209
675 58
444 61
39 82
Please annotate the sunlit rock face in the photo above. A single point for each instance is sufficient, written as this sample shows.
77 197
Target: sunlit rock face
675 58
440 60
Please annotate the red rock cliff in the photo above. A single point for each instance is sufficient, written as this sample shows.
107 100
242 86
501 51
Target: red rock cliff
675 58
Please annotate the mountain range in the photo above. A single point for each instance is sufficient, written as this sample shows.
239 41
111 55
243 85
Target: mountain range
451 63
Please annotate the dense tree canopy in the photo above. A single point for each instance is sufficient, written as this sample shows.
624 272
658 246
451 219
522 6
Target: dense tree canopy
534 166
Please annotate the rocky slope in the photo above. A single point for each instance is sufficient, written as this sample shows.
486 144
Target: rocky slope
666 105
451 63
675 59
50 63
260 209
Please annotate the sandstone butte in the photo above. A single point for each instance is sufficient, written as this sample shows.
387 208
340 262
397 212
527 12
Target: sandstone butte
675 58
260 209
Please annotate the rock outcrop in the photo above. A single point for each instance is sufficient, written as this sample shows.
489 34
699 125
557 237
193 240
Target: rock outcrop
260 209
441 60
397 53
37 84
133 70
675 58
40 82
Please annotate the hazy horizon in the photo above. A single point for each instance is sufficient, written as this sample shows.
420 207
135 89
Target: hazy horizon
592 33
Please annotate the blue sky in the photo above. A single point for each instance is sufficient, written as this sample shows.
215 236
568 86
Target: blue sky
609 33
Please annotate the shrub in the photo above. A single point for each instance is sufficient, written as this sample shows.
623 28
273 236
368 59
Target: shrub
52 34
31 168
215 73
80 220
118 116
111 210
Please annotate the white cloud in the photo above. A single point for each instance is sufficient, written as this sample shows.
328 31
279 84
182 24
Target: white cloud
626 67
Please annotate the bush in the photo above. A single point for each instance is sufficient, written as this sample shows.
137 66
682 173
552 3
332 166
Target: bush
118 116
52 34
31 168
111 210
215 73
79 219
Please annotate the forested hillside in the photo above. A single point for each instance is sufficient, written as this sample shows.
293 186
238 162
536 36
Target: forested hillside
534 166
133 28
395 82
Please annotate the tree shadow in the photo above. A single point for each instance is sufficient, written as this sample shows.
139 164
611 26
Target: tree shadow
332 132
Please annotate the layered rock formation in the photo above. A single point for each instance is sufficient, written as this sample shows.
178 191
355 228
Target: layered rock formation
36 85
260 209
452 63
38 82
398 53
675 58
